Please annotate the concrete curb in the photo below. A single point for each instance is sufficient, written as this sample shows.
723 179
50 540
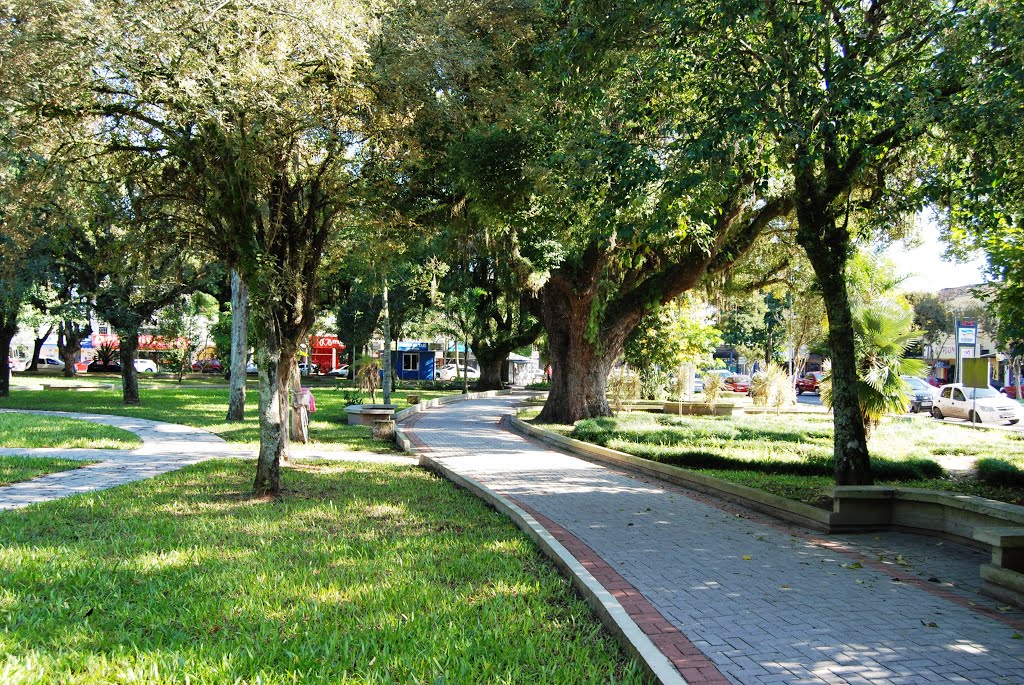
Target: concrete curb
608 609
757 500
636 643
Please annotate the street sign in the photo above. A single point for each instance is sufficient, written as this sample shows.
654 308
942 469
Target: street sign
966 336
975 373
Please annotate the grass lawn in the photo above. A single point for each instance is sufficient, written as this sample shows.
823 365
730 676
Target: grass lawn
205 408
791 455
28 430
359 573
15 469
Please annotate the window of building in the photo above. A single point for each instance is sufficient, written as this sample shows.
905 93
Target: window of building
103 329
410 362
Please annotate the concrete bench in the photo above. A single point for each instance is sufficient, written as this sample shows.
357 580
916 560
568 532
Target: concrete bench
1003 579
83 388
367 414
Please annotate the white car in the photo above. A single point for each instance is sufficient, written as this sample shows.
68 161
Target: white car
340 372
251 368
450 372
49 364
979 405
145 366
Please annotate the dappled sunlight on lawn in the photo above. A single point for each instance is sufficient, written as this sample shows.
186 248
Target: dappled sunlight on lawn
358 573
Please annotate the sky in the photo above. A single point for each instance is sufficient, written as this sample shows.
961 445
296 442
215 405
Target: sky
927 270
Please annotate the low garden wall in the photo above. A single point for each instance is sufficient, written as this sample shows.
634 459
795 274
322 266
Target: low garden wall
975 521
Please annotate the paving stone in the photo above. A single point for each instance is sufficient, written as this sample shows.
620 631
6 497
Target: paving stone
791 613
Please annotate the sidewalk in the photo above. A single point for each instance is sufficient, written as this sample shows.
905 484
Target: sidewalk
165 447
729 596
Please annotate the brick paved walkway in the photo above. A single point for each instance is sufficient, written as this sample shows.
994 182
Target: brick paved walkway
730 596
165 447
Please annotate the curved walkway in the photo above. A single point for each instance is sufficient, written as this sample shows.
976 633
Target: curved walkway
165 447
729 596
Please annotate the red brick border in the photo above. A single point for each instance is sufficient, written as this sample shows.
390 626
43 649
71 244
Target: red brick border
691 663
814 538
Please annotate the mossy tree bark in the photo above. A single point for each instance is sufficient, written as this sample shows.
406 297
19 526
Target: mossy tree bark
239 347
128 350
826 240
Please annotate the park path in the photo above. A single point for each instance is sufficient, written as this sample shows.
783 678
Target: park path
165 447
729 596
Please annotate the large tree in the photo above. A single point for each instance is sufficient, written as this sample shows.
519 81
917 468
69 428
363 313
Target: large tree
253 112
848 92
656 180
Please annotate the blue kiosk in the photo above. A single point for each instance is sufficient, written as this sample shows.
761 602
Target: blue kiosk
413 362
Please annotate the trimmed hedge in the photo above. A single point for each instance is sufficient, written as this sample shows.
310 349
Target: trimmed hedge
675 447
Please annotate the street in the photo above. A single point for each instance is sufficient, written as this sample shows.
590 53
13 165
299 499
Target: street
812 399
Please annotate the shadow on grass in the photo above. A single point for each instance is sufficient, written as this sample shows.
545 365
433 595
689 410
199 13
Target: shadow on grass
359 573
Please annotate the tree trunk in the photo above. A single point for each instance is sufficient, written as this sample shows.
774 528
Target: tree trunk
129 377
295 387
37 348
465 368
275 363
6 336
386 316
491 364
579 366
1016 369
69 344
239 347
827 245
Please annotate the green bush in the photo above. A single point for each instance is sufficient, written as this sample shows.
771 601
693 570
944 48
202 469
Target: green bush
539 386
996 471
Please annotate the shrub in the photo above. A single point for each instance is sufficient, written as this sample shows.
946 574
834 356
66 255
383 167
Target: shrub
772 387
350 397
1000 472
712 388
539 386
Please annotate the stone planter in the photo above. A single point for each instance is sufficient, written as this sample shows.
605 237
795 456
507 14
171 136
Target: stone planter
366 414
413 399
384 429
692 408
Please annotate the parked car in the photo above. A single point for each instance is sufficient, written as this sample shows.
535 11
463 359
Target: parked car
698 383
451 371
251 368
48 364
1011 391
308 369
920 393
145 366
96 366
809 382
980 405
737 383
207 366
340 372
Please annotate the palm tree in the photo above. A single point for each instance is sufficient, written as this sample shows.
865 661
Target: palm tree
883 334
